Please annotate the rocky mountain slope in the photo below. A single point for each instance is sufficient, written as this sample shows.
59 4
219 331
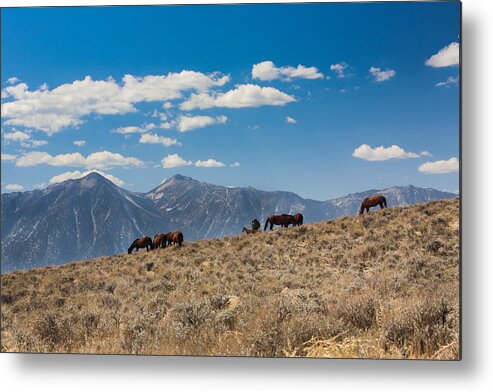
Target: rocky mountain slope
73 220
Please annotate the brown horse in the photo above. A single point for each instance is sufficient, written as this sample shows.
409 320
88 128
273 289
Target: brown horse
144 242
372 202
175 237
255 225
249 231
159 241
283 220
298 219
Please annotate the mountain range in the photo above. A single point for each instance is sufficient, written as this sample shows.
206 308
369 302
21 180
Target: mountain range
91 216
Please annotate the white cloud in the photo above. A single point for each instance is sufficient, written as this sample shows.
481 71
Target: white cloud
243 96
8 157
440 167
14 187
79 143
24 139
148 138
96 160
167 105
382 153
209 163
446 57
266 70
166 125
34 143
65 106
174 160
74 175
291 120
382 76
187 123
134 129
16 136
13 80
235 164
339 69
451 80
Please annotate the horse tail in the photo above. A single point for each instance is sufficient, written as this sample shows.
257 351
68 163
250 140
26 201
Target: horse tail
266 223
384 201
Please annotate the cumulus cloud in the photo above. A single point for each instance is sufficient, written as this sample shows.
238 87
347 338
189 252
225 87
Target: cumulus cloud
382 153
174 160
23 138
187 123
446 57
235 164
34 143
209 163
16 136
166 125
148 138
451 81
65 106
339 69
14 187
380 75
13 80
440 167
8 157
74 175
79 143
266 70
243 96
96 160
291 120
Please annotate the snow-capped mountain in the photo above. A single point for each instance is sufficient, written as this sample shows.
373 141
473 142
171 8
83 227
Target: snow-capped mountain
92 217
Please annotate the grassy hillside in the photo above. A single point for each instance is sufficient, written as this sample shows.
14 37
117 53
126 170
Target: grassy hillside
385 285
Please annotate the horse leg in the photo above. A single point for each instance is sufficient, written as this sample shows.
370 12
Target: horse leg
367 209
381 206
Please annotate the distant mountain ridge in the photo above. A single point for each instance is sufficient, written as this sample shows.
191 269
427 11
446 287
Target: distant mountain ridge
92 217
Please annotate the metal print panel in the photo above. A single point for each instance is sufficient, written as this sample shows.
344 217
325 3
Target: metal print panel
272 180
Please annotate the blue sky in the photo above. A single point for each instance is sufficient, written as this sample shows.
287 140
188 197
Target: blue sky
318 99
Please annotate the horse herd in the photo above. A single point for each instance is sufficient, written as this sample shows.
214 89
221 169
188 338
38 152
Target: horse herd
160 241
284 220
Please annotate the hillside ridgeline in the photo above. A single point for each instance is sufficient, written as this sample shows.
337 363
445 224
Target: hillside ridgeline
381 285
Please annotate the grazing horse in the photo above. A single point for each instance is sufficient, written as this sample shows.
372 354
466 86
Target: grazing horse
175 237
159 241
249 231
255 225
283 220
298 219
372 202
144 242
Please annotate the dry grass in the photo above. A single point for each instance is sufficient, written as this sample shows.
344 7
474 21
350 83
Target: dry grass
385 285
